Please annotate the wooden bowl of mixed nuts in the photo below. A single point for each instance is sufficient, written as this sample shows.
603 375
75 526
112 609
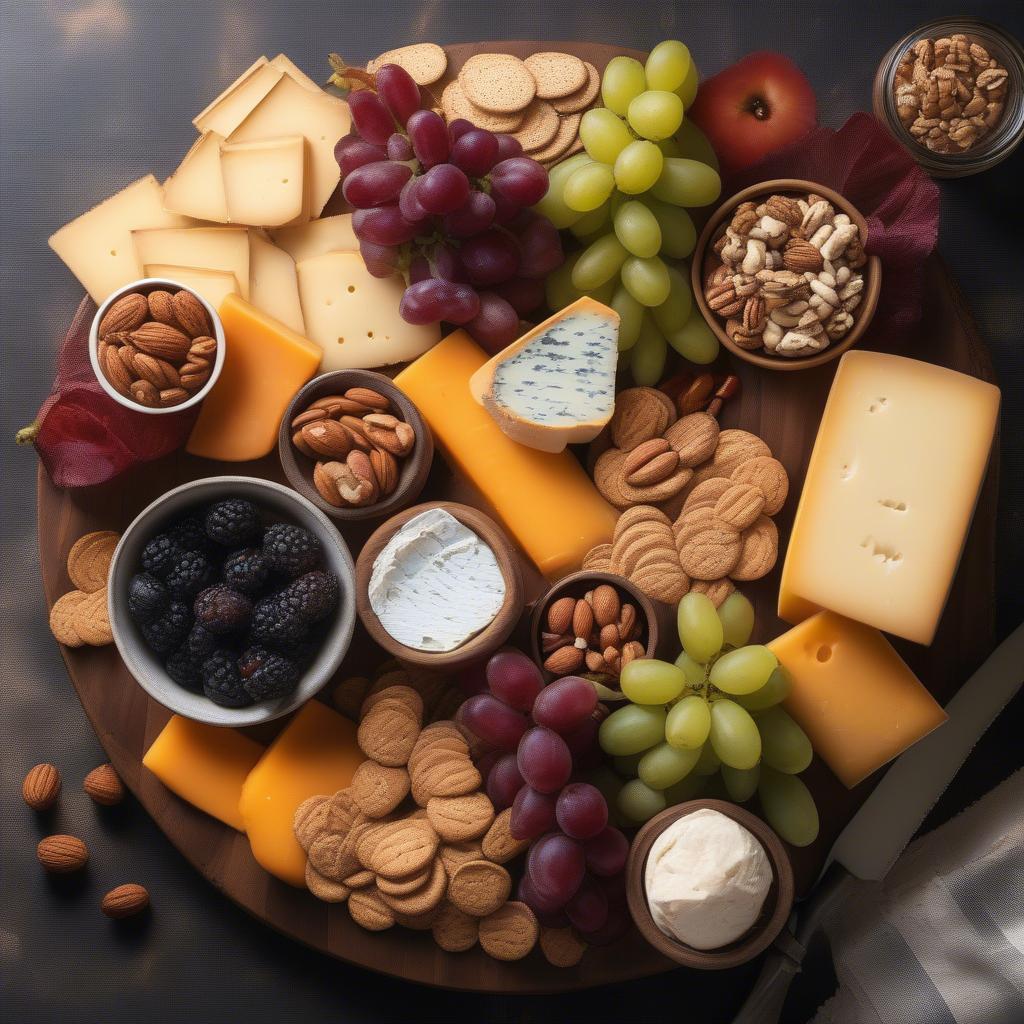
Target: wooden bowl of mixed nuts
354 445
781 275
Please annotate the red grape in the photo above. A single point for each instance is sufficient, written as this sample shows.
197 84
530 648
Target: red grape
434 300
583 745
484 714
352 152
376 184
399 147
459 127
541 248
508 146
548 911
401 95
555 866
519 179
442 189
446 264
606 853
490 257
496 325
523 295
380 260
544 759
533 814
514 679
614 927
429 137
372 119
384 225
504 782
474 216
565 704
588 908
419 269
505 211
486 761
409 205
476 152
581 811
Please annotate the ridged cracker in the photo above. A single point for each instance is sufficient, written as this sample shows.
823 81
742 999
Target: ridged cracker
62 618
540 126
564 139
510 932
497 82
89 560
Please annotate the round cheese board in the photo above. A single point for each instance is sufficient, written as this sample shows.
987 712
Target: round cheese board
783 409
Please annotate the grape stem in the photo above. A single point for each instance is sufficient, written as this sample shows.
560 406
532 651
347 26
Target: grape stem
27 435
348 78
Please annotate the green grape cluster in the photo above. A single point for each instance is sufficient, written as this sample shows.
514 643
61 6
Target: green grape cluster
715 710
624 199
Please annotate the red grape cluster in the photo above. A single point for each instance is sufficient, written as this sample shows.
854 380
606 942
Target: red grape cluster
446 205
539 735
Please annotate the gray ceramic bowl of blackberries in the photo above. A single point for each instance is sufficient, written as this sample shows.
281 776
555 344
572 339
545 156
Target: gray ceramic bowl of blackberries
232 600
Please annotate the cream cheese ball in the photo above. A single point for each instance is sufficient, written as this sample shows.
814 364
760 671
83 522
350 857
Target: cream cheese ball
706 880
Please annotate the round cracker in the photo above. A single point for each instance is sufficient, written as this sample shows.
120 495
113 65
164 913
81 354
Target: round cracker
454 930
92 619
62 618
540 125
578 101
89 560
425 62
556 74
455 104
497 82
565 138
479 887
576 146
510 932
324 888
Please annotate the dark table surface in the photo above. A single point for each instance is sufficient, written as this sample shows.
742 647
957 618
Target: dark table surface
95 93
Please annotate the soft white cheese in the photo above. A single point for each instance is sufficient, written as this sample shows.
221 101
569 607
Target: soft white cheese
435 583
706 880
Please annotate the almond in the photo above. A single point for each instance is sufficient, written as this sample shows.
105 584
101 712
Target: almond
125 901
309 416
191 314
358 431
390 433
368 397
627 620
145 394
202 347
127 313
61 855
695 397
385 469
328 438
161 340
560 614
161 308
300 443
158 372
609 636
324 480
606 604
117 373
582 620
552 641
195 379
564 661
173 396
595 663
661 467
104 785
41 787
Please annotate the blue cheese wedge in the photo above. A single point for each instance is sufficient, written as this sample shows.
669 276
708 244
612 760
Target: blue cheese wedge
556 384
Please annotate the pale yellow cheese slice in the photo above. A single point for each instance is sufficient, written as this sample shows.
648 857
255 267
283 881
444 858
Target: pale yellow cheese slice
328 234
196 188
273 285
284 63
239 99
225 249
212 285
263 181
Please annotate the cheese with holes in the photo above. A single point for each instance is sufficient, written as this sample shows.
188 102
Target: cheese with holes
889 494
273 286
556 384
228 110
263 181
316 753
225 249
853 695
196 188
544 499
265 363
292 109
353 316
205 765
212 285
317 237
98 247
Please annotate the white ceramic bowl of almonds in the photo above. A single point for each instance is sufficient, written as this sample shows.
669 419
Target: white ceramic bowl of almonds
164 376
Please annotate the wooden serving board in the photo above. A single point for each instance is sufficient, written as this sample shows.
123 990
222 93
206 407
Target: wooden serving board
783 408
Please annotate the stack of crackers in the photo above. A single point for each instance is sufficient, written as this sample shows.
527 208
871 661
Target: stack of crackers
80 617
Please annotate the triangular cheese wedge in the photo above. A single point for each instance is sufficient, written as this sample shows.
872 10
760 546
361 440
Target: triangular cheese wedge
556 384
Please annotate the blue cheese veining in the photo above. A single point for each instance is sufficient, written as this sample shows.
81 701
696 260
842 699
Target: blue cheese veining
435 584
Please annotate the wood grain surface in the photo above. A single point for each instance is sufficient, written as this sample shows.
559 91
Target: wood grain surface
782 408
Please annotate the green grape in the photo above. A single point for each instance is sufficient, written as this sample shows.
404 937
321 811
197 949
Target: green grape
639 803
673 313
638 167
604 134
700 628
648 681
631 317
708 763
591 223
623 80
604 292
559 291
688 723
784 745
693 670
685 182
667 65
553 205
734 735
692 142
773 692
669 147
744 670
695 340
678 233
648 355
609 785
637 229
665 765
737 615
647 280
627 765
632 729
789 807
687 92
689 789
655 114
741 783
588 187
599 262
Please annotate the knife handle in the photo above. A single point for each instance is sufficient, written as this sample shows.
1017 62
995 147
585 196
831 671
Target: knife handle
765 1002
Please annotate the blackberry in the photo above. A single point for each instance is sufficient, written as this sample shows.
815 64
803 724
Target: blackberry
185 668
147 597
233 523
266 675
159 554
190 535
167 632
222 610
222 682
246 570
312 596
189 573
275 622
290 549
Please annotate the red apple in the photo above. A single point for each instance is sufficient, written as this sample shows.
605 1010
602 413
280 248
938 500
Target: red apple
758 105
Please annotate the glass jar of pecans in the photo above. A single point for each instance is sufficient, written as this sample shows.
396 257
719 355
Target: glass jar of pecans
952 92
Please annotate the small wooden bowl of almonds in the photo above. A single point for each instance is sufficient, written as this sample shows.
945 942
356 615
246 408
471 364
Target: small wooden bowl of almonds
781 276
156 346
354 445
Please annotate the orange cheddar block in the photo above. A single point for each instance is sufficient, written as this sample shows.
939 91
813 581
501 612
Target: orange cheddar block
545 499
853 695
315 753
205 765
265 363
